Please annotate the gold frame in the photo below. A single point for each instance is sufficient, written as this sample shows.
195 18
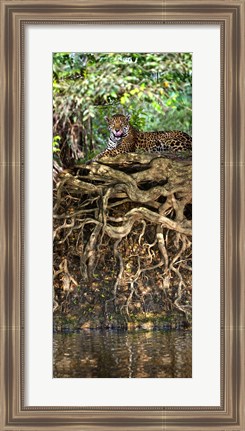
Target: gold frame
230 16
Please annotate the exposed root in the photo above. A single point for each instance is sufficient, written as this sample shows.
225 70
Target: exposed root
124 229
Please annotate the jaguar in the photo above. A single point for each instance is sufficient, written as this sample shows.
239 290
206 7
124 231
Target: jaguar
124 138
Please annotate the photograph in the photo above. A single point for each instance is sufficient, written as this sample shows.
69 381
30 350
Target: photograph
122 215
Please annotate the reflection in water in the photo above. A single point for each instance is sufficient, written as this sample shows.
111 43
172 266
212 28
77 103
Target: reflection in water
123 354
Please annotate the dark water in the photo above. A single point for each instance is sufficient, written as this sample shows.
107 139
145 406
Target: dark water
112 354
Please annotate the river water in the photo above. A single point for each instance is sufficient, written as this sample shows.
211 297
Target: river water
123 354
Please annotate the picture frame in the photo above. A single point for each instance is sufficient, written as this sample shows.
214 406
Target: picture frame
229 15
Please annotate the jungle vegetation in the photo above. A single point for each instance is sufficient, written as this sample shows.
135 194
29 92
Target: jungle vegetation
122 226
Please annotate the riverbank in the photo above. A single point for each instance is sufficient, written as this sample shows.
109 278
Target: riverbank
145 321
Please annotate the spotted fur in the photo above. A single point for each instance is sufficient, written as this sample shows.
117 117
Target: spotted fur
124 138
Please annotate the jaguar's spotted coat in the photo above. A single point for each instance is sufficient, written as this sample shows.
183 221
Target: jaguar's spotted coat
124 138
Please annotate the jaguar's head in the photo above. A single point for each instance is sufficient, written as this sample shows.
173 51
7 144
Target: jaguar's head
118 125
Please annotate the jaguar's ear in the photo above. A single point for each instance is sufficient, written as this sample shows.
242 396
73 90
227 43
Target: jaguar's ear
128 117
107 119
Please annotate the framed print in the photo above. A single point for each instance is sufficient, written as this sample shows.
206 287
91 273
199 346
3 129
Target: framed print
119 268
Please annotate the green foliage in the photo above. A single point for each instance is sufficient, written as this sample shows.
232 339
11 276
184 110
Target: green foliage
154 88
56 141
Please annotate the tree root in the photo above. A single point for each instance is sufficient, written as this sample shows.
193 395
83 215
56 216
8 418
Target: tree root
124 229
